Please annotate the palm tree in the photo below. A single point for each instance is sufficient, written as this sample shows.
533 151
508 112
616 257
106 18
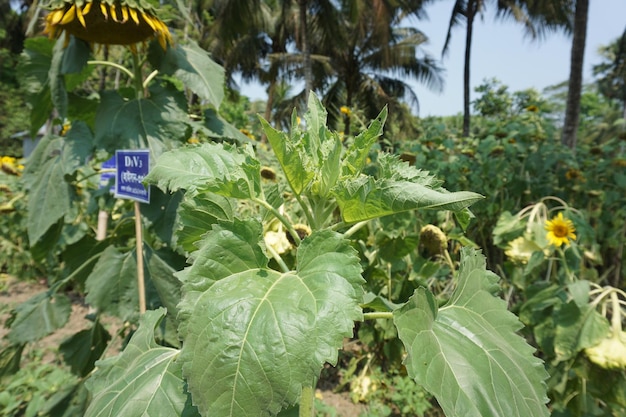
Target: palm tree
612 72
362 58
572 109
537 16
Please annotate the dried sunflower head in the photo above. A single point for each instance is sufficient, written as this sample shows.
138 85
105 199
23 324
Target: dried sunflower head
107 22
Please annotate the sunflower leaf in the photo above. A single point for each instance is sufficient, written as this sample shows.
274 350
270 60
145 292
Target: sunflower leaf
38 317
194 67
256 336
144 380
157 123
467 353
365 198
219 168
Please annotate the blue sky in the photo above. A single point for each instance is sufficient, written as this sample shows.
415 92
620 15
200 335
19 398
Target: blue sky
501 50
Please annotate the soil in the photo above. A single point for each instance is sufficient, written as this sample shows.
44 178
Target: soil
14 292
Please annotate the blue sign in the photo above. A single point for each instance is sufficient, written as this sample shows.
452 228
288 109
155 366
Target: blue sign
132 168
108 173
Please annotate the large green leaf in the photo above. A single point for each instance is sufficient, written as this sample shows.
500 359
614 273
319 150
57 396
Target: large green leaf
156 123
194 67
221 168
365 198
38 317
57 82
227 248
51 196
144 380
82 349
197 213
468 353
112 285
33 75
255 337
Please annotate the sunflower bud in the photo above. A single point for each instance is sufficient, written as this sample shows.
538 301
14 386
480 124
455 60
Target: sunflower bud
610 353
433 240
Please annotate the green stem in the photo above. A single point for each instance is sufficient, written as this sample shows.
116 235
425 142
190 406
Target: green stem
616 318
280 217
307 211
568 273
59 284
378 315
149 78
114 65
137 78
283 266
307 402
355 228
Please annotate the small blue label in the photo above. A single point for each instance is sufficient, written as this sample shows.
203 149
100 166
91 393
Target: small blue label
132 168
108 168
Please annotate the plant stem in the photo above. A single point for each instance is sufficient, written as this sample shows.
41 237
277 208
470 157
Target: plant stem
306 402
378 315
114 65
149 78
280 217
283 266
137 78
616 317
355 228
307 211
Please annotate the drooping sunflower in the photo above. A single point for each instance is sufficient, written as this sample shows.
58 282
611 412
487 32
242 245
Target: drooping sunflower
560 230
107 22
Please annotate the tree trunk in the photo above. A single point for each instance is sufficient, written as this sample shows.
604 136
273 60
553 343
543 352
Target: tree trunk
572 111
306 52
471 12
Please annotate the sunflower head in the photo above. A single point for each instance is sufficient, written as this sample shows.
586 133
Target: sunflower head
107 22
560 230
433 241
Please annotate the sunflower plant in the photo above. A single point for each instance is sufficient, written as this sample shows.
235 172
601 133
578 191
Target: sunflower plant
576 323
256 325
236 325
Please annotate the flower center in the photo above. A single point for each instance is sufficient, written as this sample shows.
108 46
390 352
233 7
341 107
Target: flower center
560 230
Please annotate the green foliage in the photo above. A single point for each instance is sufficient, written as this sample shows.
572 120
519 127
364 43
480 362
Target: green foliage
36 388
471 341
124 376
279 268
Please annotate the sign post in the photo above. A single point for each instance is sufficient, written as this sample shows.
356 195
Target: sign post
132 168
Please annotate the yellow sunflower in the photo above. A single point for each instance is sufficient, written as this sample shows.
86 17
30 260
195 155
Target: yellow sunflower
109 22
560 230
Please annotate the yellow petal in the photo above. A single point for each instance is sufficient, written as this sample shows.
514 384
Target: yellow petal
133 15
113 13
162 41
124 14
149 21
87 8
55 16
69 15
79 15
103 9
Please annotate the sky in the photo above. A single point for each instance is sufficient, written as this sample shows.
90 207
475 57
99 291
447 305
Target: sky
501 50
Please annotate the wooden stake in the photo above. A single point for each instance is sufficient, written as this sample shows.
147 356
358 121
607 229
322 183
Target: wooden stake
140 278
